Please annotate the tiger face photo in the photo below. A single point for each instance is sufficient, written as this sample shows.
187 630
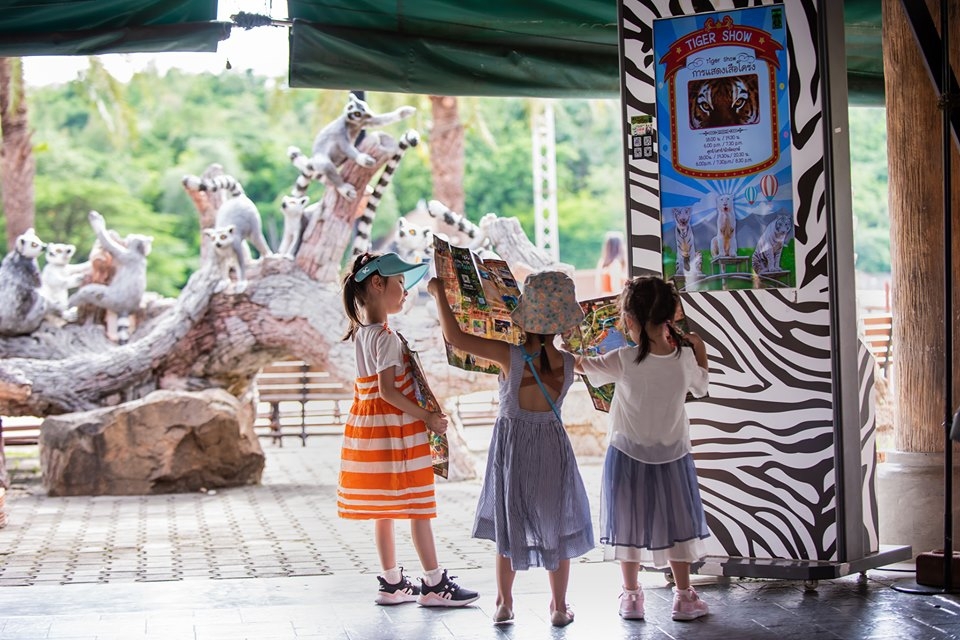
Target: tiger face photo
723 102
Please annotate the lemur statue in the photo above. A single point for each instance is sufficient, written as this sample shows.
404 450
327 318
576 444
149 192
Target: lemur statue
59 277
474 237
334 145
122 295
294 224
414 243
238 219
22 307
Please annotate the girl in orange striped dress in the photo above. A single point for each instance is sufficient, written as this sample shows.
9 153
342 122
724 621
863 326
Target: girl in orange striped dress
386 472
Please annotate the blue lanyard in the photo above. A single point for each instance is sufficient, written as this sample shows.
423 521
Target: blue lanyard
528 358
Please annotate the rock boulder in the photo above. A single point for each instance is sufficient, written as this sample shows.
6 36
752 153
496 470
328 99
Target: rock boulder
166 442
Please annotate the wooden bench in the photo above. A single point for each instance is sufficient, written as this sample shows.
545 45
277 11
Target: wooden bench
878 336
478 409
297 400
21 431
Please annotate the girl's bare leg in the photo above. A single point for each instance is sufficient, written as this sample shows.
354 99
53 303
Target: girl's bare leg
681 574
630 571
422 533
386 547
559 580
505 578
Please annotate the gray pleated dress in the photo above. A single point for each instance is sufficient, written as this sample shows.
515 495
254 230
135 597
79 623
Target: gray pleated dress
533 504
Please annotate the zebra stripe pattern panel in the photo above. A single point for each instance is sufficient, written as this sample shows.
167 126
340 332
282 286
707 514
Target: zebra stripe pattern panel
764 438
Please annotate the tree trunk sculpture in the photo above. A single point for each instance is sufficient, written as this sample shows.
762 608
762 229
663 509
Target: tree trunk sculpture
290 308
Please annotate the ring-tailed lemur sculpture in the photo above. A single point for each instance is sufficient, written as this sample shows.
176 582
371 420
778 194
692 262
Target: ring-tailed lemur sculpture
294 224
414 243
59 276
478 239
22 307
222 182
335 144
237 219
364 224
123 293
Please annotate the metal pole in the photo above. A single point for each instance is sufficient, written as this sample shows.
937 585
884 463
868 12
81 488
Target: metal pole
545 178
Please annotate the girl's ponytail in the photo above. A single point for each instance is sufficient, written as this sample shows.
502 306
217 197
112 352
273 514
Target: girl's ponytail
353 295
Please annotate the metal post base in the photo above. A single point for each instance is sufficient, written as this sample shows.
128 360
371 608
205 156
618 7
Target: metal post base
807 570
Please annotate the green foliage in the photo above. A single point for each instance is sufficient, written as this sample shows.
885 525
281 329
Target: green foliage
869 177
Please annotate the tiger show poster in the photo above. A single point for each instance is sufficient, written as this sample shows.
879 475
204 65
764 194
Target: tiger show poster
481 294
723 130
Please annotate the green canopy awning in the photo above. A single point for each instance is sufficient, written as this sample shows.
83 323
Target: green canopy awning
548 48
90 27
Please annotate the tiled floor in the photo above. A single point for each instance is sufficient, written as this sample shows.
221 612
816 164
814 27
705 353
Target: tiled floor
274 561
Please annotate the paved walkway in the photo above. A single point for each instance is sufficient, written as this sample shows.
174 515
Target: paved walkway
274 561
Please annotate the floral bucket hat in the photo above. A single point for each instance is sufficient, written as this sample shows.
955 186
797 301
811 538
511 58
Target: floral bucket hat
548 304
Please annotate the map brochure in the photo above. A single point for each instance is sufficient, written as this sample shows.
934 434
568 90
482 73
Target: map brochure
481 293
599 333
439 445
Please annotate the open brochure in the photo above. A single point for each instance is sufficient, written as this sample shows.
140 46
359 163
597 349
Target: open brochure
481 294
439 446
601 332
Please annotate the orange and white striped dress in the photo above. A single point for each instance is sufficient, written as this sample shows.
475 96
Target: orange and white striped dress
385 465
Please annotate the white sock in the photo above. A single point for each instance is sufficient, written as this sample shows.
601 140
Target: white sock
432 578
393 576
632 592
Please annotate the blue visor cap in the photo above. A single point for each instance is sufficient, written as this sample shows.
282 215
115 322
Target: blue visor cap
390 264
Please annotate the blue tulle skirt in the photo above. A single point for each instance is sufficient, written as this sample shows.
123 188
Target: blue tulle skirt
651 513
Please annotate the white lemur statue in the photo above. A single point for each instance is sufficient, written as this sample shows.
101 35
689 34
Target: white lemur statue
335 144
293 208
122 295
59 277
22 307
237 219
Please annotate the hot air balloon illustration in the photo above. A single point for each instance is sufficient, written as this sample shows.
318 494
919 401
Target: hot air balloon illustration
769 186
750 193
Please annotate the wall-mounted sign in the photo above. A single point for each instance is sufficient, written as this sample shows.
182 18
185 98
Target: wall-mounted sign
723 105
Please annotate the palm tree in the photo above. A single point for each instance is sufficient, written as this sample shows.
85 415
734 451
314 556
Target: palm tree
17 164
447 157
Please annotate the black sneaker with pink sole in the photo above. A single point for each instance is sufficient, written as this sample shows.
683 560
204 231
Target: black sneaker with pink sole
445 593
403 591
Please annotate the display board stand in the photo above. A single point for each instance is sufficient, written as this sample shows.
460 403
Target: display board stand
785 443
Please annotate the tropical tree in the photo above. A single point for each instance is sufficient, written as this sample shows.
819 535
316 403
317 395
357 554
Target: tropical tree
16 151
447 157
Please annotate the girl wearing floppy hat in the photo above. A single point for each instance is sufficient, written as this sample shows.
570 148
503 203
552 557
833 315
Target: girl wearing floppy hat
650 507
533 504
386 471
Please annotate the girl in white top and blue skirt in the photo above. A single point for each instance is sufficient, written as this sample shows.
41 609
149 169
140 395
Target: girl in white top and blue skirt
650 509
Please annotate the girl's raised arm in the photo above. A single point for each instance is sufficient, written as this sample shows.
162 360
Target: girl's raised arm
495 350
577 358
